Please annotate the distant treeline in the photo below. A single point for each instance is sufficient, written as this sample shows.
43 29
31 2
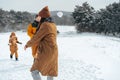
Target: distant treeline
17 20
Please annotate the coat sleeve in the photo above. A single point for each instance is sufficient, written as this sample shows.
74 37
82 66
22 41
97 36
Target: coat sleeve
18 41
42 32
29 31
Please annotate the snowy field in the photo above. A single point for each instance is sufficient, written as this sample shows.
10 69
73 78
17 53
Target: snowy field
86 56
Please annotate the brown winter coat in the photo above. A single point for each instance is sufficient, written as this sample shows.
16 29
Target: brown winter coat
47 58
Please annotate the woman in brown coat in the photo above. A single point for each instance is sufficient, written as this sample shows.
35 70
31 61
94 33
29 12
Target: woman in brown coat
46 61
13 45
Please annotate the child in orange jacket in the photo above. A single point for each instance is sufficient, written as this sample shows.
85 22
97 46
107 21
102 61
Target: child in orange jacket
31 30
13 45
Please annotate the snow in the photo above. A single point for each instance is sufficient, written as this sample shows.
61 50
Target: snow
85 56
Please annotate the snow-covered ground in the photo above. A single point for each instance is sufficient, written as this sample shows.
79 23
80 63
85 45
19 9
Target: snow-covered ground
86 56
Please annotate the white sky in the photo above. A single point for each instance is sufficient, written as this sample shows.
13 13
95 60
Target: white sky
36 5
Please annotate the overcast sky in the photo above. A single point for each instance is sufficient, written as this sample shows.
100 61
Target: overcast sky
64 5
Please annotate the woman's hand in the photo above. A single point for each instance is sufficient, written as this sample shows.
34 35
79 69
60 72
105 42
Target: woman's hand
25 47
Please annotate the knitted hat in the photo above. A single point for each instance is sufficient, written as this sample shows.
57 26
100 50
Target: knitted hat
12 34
44 13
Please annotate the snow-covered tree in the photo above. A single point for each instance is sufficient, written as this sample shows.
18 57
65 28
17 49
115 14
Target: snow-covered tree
83 17
109 20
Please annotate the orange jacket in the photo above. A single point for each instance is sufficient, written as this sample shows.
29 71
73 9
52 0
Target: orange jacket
13 43
31 30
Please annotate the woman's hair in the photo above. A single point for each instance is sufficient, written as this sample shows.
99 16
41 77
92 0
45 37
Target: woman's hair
36 15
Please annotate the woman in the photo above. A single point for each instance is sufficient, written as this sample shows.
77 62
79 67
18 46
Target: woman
46 61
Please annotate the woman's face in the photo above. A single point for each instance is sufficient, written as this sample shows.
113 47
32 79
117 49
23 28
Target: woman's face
38 18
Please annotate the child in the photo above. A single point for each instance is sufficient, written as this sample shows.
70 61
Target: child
13 45
31 30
